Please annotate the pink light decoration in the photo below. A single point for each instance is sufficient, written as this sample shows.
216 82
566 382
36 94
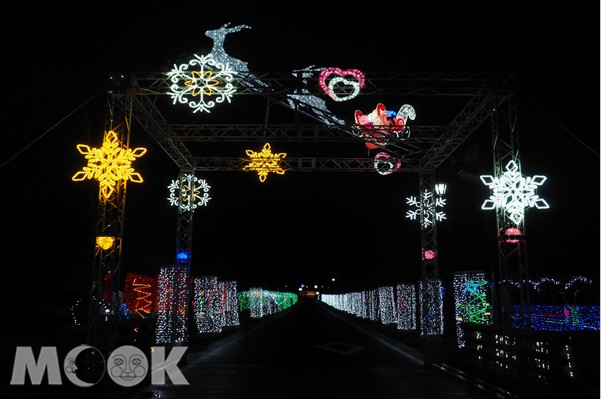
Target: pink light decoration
357 81
512 231
428 254
378 124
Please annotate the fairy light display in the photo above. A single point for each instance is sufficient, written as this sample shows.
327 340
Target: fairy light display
537 283
431 307
406 307
470 291
219 305
386 305
380 125
109 164
207 306
557 318
232 312
373 304
194 192
201 83
260 302
430 206
361 304
385 164
264 162
336 82
138 294
514 192
256 303
172 306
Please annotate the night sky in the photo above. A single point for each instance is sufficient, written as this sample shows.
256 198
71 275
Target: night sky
299 227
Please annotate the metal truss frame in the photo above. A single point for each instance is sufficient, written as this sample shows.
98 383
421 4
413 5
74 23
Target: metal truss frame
484 97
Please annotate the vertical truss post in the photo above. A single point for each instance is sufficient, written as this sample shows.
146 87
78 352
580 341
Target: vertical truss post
183 255
431 300
512 256
104 300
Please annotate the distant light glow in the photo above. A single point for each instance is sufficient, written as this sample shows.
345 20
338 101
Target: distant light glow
332 87
194 192
109 164
265 162
209 84
514 192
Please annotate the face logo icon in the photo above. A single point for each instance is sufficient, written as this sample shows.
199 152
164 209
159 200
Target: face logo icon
127 366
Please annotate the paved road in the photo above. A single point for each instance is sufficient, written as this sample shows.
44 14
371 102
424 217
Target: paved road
307 351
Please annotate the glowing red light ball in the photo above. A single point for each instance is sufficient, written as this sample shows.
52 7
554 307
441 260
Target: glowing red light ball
512 231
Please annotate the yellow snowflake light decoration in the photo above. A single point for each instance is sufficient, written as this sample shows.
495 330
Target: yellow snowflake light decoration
109 164
265 162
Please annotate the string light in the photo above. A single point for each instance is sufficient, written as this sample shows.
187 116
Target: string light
406 305
513 192
385 164
260 302
386 305
264 162
193 191
431 307
109 164
232 317
304 98
172 306
138 294
471 301
379 125
329 87
207 305
429 206
209 84
557 318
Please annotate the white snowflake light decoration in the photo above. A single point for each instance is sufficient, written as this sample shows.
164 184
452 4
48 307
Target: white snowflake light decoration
209 83
194 193
514 192
429 206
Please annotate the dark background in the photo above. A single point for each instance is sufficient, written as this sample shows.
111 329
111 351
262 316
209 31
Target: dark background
300 227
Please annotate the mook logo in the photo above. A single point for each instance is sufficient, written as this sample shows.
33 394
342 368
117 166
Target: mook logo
127 365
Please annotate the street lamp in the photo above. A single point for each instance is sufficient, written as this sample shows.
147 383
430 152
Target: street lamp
440 188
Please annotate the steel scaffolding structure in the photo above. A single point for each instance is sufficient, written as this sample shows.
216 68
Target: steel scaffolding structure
475 98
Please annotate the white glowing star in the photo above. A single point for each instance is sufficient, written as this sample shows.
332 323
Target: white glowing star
514 192
205 80
429 206
194 193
